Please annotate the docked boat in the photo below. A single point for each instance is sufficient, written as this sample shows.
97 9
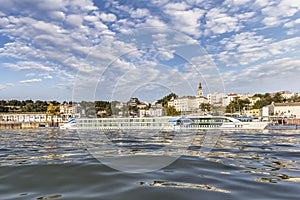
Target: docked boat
168 123
223 122
71 124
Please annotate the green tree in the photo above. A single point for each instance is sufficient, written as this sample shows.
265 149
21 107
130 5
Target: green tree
52 110
103 106
164 100
237 105
277 98
205 107
171 111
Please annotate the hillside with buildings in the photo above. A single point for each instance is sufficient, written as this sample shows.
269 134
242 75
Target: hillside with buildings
269 106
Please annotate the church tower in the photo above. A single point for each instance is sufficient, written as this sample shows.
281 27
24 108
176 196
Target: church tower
200 91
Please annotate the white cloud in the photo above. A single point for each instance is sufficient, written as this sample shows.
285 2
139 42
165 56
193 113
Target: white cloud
57 15
176 6
35 80
46 76
154 21
5 86
219 22
140 13
30 74
292 23
275 14
237 2
108 17
183 18
249 47
4 22
263 3
28 65
74 20
267 76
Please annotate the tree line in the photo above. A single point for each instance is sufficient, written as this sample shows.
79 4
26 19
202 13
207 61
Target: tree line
25 105
265 99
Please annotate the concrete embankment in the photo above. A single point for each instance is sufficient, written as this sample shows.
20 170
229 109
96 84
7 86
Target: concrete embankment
23 125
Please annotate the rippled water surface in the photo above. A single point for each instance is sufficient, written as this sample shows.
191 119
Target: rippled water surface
55 164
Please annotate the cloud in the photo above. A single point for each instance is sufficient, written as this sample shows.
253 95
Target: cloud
262 77
278 12
219 22
184 19
74 20
249 47
108 17
292 23
58 39
140 13
46 76
35 80
5 86
28 65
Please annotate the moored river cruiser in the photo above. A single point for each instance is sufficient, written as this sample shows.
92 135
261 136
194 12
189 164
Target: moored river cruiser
166 123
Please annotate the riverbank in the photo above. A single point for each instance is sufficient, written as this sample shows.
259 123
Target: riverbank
25 125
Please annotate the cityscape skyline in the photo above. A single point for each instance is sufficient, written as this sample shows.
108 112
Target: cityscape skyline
75 50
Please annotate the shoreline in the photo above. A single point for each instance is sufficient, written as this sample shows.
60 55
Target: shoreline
25 125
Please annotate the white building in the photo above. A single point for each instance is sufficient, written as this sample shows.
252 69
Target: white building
287 94
286 109
154 111
70 110
218 99
28 117
232 97
187 103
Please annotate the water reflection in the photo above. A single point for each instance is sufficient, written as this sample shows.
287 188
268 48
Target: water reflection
267 156
169 184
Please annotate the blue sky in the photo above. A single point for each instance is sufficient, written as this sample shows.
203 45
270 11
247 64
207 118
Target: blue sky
112 50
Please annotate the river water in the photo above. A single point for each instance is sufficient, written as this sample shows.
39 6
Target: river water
57 164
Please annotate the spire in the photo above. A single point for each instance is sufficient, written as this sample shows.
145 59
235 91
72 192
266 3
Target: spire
200 91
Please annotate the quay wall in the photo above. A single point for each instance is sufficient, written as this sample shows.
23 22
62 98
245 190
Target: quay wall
293 121
24 125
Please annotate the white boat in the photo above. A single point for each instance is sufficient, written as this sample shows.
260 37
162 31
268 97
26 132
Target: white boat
71 124
168 123
223 122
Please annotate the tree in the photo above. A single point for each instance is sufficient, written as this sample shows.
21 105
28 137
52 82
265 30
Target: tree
3 108
103 106
237 105
205 107
277 98
52 111
171 111
164 100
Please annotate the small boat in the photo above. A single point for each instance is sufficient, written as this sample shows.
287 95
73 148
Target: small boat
71 124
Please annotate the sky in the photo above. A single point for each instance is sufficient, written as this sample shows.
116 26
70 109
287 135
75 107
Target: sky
113 50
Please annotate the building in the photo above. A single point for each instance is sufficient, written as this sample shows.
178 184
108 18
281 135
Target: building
253 113
70 110
28 117
133 102
155 111
218 99
189 104
200 90
287 94
232 97
244 96
290 110
142 105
